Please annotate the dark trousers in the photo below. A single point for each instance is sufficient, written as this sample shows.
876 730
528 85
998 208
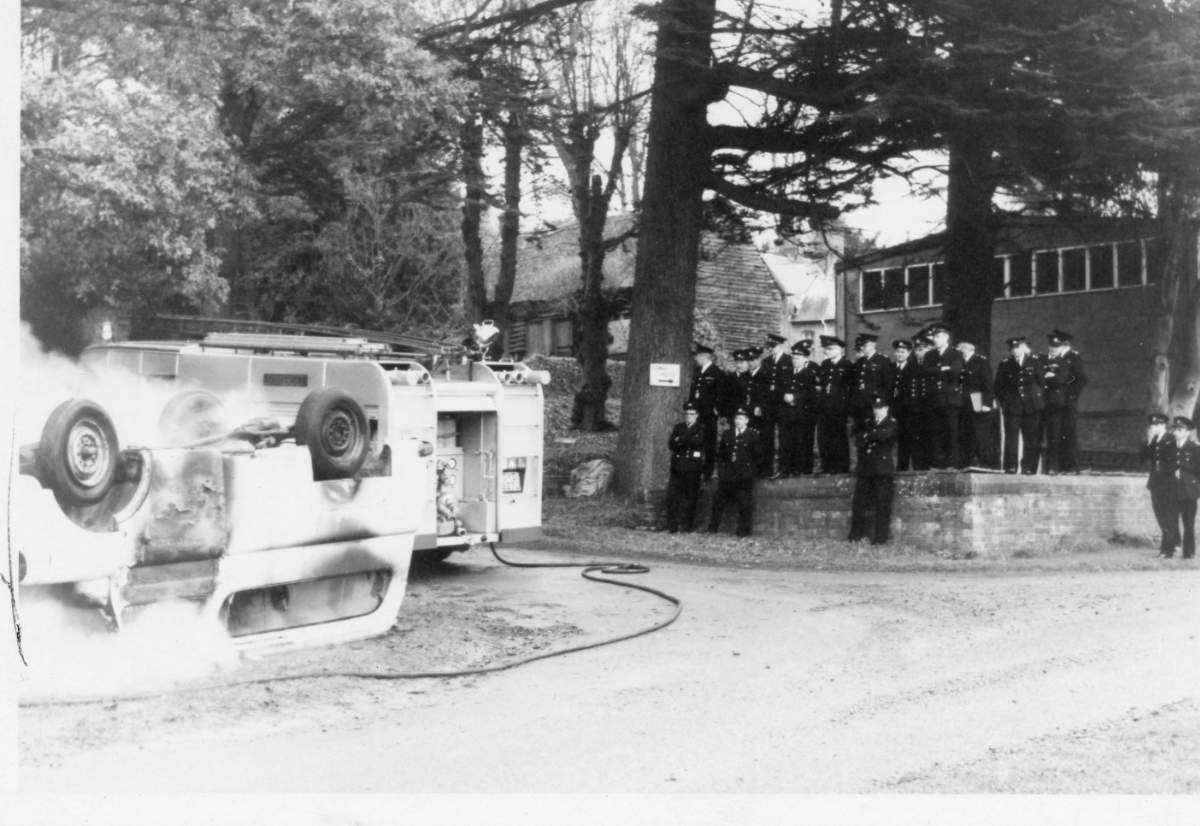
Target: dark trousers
944 433
710 445
1177 511
1059 426
833 443
978 439
796 440
741 493
1027 426
871 508
1159 501
905 433
922 428
768 426
683 492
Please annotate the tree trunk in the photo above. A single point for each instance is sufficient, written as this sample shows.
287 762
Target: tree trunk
970 240
474 201
515 138
1174 382
591 318
664 286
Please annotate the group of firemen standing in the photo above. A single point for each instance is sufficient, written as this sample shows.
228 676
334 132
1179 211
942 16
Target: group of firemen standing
930 405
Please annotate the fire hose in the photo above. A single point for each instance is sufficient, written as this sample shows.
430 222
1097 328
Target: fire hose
592 571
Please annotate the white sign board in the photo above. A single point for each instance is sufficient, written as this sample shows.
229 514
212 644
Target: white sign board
664 375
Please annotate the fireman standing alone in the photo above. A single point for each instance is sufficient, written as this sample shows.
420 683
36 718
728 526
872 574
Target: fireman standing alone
687 464
738 455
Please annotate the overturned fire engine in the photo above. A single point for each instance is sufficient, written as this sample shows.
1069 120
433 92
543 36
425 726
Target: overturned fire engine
295 522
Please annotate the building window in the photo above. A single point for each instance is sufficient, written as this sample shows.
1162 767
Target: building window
999 275
1020 274
893 287
1073 263
1045 272
871 293
1129 264
920 292
939 282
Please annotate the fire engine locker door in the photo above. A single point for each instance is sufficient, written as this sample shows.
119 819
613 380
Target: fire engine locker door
477 438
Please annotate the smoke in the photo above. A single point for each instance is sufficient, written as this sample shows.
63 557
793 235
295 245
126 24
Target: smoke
73 655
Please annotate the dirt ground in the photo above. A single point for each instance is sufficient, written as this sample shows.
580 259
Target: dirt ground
771 681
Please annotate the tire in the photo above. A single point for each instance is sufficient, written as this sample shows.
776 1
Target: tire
78 454
334 427
191 416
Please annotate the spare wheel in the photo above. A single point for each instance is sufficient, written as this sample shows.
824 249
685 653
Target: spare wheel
78 454
334 427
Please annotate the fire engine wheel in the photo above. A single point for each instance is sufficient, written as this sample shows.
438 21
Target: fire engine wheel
78 452
334 427
191 416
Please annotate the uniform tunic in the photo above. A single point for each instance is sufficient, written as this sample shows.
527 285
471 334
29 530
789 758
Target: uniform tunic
1159 455
738 456
874 488
1020 394
687 464
1064 380
906 408
873 378
708 384
798 422
943 370
978 436
1182 488
835 382
776 374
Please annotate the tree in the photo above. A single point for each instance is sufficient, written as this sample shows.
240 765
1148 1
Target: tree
592 73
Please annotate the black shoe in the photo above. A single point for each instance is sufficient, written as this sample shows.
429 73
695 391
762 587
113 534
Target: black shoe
1165 555
672 530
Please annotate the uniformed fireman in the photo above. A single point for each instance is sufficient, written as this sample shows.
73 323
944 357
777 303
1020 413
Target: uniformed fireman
874 486
708 382
738 459
1157 455
872 378
1064 378
798 416
1183 488
979 439
777 373
903 367
1021 398
920 399
835 382
686 444
942 367
758 401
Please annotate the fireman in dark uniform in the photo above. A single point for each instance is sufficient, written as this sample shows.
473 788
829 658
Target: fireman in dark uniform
920 400
1021 397
707 383
1157 454
942 366
738 459
872 378
686 444
903 365
835 380
1183 488
978 437
874 486
1062 372
758 400
777 374
798 415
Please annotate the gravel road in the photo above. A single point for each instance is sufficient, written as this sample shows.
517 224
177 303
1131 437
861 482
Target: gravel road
779 681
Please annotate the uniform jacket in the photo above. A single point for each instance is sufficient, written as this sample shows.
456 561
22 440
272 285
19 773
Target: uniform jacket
872 377
805 391
777 374
738 455
1159 457
876 456
977 378
758 393
943 371
835 383
687 448
706 391
1019 386
1183 469
1064 379
907 386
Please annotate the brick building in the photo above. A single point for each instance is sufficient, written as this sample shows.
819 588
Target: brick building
1096 279
738 300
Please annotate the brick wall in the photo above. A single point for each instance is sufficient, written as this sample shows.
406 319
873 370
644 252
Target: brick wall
965 514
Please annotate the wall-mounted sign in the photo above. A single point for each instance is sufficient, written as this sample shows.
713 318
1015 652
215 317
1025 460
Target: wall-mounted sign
664 375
